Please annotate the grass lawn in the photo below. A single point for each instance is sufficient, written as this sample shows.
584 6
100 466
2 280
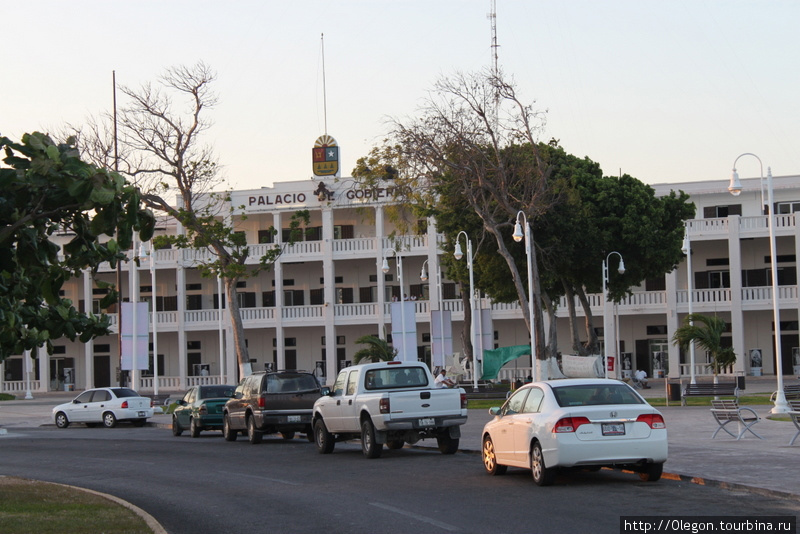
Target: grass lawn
28 506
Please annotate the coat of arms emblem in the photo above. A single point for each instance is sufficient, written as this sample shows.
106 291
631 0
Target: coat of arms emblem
325 156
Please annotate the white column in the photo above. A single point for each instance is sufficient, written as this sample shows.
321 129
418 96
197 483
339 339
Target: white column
278 270
737 315
329 296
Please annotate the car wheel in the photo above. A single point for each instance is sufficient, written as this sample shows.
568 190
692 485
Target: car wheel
447 444
287 435
61 420
253 433
177 430
490 458
194 428
323 438
651 472
109 420
369 446
395 444
227 432
542 475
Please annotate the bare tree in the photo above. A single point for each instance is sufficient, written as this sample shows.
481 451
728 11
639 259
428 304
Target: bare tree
161 148
474 147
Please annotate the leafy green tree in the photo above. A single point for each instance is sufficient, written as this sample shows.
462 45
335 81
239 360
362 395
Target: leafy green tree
471 160
376 350
706 331
45 189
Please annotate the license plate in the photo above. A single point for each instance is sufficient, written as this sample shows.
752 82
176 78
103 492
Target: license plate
427 421
613 429
293 418
142 414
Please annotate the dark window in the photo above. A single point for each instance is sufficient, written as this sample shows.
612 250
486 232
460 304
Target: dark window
268 299
316 297
657 330
193 345
367 294
266 236
247 300
314 233
718 262
194 287
449 291
344 295
194 302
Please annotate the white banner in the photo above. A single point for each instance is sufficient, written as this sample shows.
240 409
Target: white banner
404 331
441 342
142 336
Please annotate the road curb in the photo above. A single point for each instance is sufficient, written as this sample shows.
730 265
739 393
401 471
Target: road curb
151 521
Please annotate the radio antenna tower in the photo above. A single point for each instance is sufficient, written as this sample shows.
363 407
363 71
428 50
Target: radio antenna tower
493 20
495 67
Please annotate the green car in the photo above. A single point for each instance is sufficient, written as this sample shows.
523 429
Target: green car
201 409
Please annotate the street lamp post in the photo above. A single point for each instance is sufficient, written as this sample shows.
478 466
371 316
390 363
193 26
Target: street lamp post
385 269
608 333
687 249
458 255
518 235
423 275
735 188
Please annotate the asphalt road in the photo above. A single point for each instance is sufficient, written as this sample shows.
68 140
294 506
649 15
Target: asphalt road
207 485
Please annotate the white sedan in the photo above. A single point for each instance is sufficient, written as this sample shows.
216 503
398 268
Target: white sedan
106 406
575 423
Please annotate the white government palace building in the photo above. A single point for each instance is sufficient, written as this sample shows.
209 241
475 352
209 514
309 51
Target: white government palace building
329 289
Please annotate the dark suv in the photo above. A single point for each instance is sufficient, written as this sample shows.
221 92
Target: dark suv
271 402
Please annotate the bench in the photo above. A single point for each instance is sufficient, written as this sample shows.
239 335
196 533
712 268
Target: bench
791 391
795 415
729 411
709 389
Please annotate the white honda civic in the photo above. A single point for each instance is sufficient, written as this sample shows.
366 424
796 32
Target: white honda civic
588 423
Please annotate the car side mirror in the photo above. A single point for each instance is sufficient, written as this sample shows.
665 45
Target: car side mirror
182 402
237 395
494 411
325 391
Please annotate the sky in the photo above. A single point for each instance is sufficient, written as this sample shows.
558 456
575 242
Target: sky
667 91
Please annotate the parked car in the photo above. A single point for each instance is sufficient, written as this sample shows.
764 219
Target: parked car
104 405
201 409
271 402
391 403
588 423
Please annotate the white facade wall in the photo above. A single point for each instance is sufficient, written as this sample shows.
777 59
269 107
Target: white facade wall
330 287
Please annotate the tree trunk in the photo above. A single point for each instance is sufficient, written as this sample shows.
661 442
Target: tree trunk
591 335
242 355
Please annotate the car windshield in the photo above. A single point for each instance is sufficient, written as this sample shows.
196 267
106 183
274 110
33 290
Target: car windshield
215 392
125 392
291 383
396 377
595 394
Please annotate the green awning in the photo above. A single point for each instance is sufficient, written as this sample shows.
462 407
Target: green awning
494 360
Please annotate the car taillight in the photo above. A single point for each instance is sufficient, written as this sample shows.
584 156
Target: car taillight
569 424
124 404
653 420
262 402
384 405
463 401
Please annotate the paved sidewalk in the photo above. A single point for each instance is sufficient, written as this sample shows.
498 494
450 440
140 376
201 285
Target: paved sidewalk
767 466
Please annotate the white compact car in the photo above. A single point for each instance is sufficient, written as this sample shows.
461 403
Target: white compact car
575 423
106 406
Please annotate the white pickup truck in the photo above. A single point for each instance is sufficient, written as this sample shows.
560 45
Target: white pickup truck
390 403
